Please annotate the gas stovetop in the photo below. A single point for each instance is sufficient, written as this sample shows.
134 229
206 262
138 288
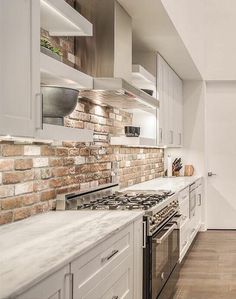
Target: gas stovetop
126 201
159 206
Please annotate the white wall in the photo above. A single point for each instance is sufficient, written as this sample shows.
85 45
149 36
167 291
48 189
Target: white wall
188 17
221 40
207 28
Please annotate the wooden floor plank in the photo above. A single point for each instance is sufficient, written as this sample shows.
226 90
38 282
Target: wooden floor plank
209 270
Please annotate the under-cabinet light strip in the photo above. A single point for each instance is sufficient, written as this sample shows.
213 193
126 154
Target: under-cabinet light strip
60 14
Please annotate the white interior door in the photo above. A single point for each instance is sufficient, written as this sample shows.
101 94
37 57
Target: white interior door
221 154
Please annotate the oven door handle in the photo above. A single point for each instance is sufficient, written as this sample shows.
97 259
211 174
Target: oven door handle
166 234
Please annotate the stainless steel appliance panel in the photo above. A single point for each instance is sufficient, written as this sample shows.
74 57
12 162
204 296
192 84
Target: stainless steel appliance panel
165 254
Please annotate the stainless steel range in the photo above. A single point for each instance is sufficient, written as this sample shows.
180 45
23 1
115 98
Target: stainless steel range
160 229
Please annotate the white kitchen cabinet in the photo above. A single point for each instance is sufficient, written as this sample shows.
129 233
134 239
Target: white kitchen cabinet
161 73
116 284
19 72
184 239
106 267
189 226
138 259
170 121
179 113
171 105
183 198
111 269
56 286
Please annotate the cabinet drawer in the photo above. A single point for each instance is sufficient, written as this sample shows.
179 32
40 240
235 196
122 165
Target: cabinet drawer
92 267
183 195
116 284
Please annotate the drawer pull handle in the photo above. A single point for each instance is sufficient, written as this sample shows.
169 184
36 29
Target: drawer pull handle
163 276
115 297
107 258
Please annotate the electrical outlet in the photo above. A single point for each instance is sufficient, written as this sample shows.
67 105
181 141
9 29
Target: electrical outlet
71 57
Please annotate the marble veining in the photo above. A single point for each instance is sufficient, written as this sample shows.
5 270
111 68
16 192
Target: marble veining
32 249
174 184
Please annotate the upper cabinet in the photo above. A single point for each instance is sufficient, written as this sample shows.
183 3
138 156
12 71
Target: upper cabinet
22 64
169 86
19 72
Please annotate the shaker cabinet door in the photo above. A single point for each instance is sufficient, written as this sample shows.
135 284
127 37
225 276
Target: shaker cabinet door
19 66
169 86
118 284
56 286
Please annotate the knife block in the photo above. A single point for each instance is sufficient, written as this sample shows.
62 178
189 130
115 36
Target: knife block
188 170
175 173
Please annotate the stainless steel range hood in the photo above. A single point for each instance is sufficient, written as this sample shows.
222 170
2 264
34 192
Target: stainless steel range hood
107 56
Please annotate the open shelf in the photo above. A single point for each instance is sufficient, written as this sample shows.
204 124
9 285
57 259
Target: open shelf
53 132
60 19
143 79
54 72
133 141
141 76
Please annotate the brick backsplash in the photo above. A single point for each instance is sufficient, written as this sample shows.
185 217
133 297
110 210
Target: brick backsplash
32 175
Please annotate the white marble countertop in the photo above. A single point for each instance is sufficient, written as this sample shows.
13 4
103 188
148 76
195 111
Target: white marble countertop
32 249
174 184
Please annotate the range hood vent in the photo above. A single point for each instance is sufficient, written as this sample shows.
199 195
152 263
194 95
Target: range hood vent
107 56
117 92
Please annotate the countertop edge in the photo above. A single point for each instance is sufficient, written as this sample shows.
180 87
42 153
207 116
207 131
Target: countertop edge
193 179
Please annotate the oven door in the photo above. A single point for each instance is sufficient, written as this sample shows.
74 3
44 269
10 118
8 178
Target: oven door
165 255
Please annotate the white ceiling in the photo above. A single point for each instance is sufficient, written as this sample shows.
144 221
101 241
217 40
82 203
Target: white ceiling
194 36
220 40
154 31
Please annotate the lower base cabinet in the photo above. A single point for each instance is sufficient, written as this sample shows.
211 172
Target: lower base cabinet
110 270
190 227
56 286
117 284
